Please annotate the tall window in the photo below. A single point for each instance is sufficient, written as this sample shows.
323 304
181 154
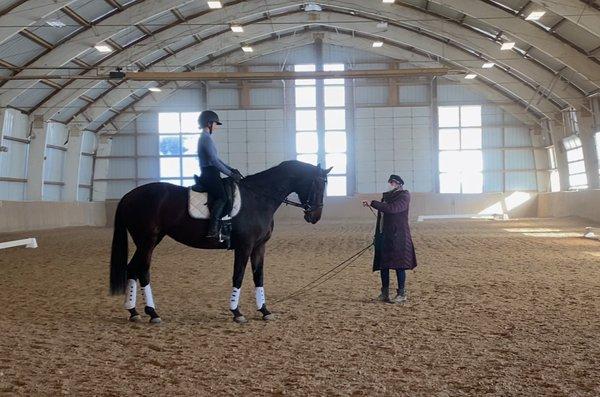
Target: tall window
577 175
177 147
460 157
554 174
333 132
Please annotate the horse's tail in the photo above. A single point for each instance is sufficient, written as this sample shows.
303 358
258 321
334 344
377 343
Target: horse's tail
118 258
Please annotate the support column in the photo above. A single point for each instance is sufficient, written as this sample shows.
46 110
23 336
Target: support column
593 156
319 85
72 164
350 138
37 155
2 112
101 168
557 134
244 90
393 99
435 134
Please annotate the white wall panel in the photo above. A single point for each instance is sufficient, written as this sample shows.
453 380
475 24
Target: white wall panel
52 192
57 134
123 145
519 159
121 168
88 144
413 93
54 165
266 97
493 182
393 140
375 95
13 163
521 181
13 191
85 170
517 136
223 98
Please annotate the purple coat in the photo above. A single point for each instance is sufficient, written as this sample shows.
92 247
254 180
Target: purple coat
394 247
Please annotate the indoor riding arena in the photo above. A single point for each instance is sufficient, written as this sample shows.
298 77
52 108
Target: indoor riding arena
300 198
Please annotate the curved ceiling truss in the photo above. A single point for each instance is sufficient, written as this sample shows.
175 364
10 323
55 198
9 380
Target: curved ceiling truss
553 66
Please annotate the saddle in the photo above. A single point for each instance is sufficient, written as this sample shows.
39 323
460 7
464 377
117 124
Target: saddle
200 204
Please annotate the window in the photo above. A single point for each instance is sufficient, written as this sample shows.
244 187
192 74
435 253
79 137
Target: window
576 164
460 157
333 132
177 147
554 174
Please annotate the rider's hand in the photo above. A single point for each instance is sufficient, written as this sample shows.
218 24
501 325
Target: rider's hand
236 175
366 203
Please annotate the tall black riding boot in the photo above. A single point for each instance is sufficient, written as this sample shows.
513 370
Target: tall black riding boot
215 218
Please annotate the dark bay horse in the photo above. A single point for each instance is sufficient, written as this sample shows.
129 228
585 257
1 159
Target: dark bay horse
153 211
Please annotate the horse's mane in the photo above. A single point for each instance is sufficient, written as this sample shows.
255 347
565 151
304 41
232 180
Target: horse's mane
286 167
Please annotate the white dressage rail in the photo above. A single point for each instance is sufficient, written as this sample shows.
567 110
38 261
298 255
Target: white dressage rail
27 242
496 217
592 233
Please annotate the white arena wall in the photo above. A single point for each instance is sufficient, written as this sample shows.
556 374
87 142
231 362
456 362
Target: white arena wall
387 133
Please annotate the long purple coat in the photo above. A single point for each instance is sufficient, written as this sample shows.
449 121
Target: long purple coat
394 247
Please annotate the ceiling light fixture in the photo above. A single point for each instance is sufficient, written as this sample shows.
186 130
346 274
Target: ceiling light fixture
214 4
312 7
247 48
388 1
507 46
104 48
55 23
535 15
154 89
470 76
488 65
377 44
237 29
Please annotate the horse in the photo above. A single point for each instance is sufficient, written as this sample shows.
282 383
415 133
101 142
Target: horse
155 210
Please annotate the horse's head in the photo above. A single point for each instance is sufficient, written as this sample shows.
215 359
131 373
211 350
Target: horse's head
310 191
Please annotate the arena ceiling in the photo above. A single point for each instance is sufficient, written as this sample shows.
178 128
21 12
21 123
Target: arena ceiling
553 65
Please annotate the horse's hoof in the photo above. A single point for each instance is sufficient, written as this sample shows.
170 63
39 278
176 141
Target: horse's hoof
155 320
240 320
269 317
136 318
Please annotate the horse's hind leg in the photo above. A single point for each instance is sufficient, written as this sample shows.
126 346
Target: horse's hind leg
140 267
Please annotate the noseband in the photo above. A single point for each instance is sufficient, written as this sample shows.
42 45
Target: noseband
309 204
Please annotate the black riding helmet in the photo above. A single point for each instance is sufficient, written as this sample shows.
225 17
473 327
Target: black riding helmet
207 117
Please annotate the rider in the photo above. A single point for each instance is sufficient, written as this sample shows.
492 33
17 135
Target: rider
211 166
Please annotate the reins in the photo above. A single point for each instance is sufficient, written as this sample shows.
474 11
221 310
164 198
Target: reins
334 271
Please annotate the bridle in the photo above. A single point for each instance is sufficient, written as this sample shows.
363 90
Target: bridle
309 204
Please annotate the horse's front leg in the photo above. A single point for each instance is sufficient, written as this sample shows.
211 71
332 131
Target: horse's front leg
258 259
242 254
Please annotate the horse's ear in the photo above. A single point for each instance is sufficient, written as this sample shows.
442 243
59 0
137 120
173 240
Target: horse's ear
319 166
328 170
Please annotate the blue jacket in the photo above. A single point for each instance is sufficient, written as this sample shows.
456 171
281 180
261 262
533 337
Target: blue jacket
208 155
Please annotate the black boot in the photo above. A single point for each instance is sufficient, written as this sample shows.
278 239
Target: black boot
215 218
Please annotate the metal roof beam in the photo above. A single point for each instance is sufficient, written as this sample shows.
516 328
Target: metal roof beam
489 48
26 13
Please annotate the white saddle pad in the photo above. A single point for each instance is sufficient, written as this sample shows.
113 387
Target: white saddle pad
199 210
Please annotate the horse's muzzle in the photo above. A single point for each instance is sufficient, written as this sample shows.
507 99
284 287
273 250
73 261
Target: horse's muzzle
312 216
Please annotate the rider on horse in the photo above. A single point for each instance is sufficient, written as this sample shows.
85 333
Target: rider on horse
211 167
